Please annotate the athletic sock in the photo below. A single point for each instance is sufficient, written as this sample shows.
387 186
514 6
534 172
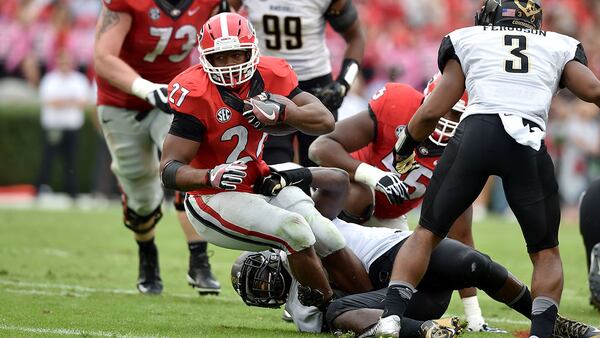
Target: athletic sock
397 298
146 245
410 328
522 303
543 317
197 247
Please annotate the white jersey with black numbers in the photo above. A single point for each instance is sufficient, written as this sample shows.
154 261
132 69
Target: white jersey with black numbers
510 70
293 30
369 243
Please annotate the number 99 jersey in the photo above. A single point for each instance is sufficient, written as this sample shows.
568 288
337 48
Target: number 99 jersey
391 108
158 44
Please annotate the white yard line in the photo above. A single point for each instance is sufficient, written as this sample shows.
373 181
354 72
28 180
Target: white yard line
67 332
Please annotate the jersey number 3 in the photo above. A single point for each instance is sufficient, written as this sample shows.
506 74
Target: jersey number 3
520 65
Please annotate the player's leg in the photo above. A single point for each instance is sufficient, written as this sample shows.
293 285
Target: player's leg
344 268
256 226
199 273
135 163
532 193
447 197
589 226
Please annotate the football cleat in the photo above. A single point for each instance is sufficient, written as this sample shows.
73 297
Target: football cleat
286 317
200 277
454 323
594 277
441 328
149 281
567 328
486 328
388 327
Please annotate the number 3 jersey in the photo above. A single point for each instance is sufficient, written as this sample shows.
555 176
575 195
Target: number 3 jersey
391 108
157 45
510 70
212 115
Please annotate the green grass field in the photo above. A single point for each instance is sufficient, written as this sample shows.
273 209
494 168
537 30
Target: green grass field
72 273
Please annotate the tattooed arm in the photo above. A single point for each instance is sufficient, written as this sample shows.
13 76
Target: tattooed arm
111 29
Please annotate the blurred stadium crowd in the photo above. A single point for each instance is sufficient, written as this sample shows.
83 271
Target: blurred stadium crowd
402 41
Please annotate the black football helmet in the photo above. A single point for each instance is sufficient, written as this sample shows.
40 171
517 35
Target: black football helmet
516 13
261 279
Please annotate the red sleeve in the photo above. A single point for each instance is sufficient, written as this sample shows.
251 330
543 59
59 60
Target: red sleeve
278 75
117 5
186 95
396 103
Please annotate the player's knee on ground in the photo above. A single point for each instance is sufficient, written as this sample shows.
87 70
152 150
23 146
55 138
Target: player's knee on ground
484 273
141 224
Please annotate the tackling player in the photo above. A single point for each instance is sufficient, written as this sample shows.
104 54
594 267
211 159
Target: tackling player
141 45
295 31
214 152
363 144
511 68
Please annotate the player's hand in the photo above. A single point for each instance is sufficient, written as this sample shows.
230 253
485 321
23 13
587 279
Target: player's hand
331 95
404 164
395 190
312 297
227 176
270 185
262 110
159 98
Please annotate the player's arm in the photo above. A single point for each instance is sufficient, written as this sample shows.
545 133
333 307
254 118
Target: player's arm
343 17
332 188
351 134
111 30
309 115
582 82
179 149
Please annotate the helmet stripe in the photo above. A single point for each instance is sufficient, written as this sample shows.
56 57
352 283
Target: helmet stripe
224 28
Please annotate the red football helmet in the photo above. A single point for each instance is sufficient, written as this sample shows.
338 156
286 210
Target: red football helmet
445 128
226 32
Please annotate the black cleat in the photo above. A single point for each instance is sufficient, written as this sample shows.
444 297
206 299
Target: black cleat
566 328
200 276
149 281
594 277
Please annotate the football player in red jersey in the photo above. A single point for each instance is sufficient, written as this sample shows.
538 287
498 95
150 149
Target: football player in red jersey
363 146
140 46
214 152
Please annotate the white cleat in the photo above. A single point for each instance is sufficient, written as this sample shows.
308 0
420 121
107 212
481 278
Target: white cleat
388 327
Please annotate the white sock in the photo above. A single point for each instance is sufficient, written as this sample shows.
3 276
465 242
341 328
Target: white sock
473 313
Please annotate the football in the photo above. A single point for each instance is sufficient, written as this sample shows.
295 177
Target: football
280 129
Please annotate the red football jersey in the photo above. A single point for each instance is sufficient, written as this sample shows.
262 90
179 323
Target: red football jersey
393 107
228 135
157 46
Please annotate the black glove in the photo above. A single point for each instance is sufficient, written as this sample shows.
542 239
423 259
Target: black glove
395 190
271 185
159 99
331 95
312 297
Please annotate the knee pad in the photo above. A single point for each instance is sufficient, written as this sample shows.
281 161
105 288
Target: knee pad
133 221
296 232
328 237
485 274
179 200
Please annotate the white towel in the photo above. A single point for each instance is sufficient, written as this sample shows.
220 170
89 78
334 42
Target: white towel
514 126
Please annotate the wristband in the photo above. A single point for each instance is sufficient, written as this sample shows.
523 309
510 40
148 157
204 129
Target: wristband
368 174
348 73
299 177
142 87
169 174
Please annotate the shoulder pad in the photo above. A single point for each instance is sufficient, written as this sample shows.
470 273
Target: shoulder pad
276 66
195 82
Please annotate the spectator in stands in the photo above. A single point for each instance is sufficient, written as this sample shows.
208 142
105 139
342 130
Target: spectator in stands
64 93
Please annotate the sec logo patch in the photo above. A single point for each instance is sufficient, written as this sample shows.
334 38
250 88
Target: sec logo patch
223 115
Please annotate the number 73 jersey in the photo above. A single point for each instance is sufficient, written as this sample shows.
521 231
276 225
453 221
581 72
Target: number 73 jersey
158 44
510 70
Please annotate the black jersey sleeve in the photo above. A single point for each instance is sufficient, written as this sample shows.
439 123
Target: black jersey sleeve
188 127
446 53
580 55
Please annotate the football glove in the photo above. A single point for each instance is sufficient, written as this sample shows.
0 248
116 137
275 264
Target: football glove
271 185
395 190
312 297
331 95
156 94
227 176
262 110
404 154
